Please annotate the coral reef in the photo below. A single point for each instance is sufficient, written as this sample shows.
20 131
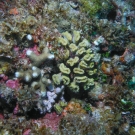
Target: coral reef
67 67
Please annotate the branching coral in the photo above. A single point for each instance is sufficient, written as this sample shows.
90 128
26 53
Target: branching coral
28 74
37 60
42 86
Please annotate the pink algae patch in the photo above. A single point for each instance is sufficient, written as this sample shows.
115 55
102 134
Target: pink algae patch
13 84
3 77
27 132
1 116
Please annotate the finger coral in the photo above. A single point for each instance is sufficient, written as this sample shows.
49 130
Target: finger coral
37 60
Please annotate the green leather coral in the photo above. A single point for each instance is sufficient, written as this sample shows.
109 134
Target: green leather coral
87 57
56 78
58 107
78 69
76 36
73 47
67 35
84 43
72 61
62 41
74 87
64 69
80 51
66 80
80 79
89 83
83 65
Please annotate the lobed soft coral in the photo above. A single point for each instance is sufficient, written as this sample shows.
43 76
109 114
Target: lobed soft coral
77 62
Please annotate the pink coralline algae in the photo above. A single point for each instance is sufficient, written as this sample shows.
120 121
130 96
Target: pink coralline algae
16 109
27 132
34 50
50 120
13 84
23 59
3 78
1 116
23 54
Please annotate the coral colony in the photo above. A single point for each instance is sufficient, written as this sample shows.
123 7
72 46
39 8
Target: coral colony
67 67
